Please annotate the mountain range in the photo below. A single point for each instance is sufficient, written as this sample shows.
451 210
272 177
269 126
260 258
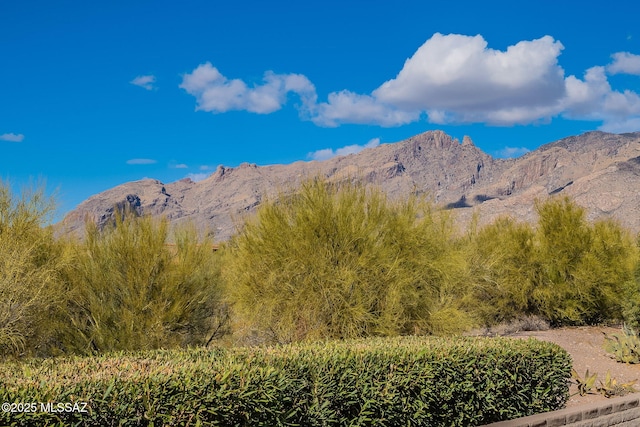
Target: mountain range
599 171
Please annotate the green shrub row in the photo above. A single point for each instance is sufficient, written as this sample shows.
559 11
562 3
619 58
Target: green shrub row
381 381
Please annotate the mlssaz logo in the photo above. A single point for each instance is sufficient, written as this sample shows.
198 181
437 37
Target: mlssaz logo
51 407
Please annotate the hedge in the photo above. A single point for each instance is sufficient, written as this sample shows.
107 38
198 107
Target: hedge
414 381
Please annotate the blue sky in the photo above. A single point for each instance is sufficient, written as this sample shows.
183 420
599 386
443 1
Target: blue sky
97 93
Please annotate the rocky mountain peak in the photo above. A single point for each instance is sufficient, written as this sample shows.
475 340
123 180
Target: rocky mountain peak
434 139
599 170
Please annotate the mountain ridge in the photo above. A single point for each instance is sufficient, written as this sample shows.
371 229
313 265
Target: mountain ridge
600 171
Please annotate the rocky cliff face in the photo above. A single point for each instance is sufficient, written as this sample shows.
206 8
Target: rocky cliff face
600 171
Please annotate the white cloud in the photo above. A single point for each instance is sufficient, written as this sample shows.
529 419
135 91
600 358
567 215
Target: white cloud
328 153
593 99
457 78
631 124
324 154
584 96
625 63
450 79
12 137
197 176
511 152
348 107
216 94
146 82
173 164
141 161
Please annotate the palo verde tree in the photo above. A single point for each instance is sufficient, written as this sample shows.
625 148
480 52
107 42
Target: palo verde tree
582 269
338 260
631 304
501 262
129 290
30 260
565 269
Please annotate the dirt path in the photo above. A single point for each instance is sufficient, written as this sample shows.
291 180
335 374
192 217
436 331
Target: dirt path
585 345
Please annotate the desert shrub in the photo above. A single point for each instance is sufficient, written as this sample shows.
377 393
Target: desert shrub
419 381
625 346
631 303
582 269
565 269
128 289
340 261
501 257
30 260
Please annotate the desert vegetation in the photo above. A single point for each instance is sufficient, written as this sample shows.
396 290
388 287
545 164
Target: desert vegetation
331 261
128 290
342 261
422 381
338 261
31 263
564 269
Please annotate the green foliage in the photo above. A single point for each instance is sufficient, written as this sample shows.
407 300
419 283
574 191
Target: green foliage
30 260
340 261
401 381
565 269
624 347
501 255
582 269
128 289
631 303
